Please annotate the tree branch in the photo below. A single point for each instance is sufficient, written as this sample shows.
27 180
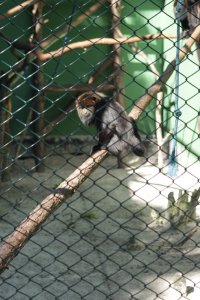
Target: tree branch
17 9
158 111
29 226
62 32
101 41
100 70
156 87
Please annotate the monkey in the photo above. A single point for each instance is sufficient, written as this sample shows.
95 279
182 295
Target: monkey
117 132
190 17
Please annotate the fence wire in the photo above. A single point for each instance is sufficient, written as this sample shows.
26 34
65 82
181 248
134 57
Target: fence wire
83 224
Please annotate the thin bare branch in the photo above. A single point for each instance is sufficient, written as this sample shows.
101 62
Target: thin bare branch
102 41
100 70
48 128
62 32
45 44
17 9
17 44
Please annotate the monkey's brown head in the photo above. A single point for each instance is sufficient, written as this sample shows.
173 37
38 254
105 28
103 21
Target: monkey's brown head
88 99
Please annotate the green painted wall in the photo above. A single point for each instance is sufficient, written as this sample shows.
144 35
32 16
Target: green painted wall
141 18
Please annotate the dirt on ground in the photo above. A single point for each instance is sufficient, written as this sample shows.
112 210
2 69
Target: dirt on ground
112 240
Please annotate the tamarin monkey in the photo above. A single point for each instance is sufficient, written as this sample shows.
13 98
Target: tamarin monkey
117 132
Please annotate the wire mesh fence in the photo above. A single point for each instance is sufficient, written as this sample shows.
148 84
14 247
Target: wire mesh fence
99 149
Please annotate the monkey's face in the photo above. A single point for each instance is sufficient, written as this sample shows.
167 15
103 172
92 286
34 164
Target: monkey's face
86 105
86 115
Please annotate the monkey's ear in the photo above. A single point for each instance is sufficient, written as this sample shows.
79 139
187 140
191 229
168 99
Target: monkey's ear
88 99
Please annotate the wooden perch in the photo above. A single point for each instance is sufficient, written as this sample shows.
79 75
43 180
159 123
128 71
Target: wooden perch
102 41
158 112
17 9
46 43
29 226
156 87
60 33
17 239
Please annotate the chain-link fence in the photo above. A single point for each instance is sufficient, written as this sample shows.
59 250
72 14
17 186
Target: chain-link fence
85 214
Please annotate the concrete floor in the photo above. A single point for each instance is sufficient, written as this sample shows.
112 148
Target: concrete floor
112 240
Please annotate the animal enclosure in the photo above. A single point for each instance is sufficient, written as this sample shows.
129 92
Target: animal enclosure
77 224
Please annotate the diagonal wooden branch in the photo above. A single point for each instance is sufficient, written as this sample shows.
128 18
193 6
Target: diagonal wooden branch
100 71
29 226
156 87
17 9
158 110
